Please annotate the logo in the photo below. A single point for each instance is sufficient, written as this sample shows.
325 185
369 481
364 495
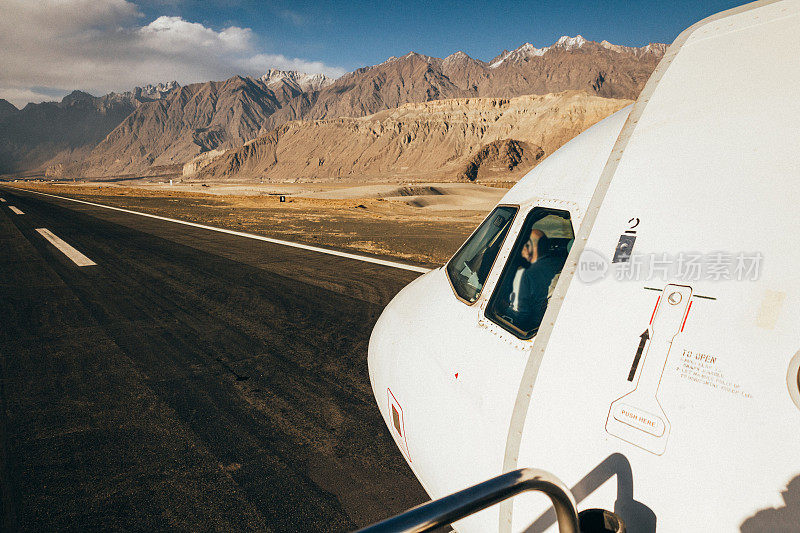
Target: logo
592 266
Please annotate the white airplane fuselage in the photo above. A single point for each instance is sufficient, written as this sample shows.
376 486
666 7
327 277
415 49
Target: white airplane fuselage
663 380
452 374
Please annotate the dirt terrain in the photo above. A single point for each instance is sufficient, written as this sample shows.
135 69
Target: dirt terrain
418 223
445 140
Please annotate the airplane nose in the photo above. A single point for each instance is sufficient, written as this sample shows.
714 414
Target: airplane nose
386 335
395 337
380 352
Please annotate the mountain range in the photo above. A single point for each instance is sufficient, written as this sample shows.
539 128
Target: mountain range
461 138
59 132
157 129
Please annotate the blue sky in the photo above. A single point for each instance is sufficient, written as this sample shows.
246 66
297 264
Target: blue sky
356 33
99 46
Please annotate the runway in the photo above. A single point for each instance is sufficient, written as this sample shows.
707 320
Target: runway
182 378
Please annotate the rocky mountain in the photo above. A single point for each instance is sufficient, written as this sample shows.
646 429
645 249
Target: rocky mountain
572 63
464 138
163 126
527 51
411 78
59 133
499 159
195 119
657 49
7 109
466 73
299 80
153 92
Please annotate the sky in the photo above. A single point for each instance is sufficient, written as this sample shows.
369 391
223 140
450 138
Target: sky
51 47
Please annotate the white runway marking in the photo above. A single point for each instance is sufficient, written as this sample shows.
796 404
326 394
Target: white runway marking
337 253
15 210
77 257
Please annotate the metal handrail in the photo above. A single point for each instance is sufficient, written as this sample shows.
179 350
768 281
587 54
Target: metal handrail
451 508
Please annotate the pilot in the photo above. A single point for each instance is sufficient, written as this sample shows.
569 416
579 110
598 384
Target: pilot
532 280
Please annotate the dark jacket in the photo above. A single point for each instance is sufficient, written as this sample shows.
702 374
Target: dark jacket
533 291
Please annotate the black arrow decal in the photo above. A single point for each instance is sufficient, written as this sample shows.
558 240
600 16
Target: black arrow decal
642 341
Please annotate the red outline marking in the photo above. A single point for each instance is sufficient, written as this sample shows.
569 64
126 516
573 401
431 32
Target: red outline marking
687 314
654 310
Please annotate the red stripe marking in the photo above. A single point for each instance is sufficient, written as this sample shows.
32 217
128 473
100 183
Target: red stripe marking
687 314
654 310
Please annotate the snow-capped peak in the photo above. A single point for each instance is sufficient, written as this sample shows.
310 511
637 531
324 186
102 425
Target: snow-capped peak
527 50
416 54
306 82
569 43
158 90
152 92
520 54
565 42
456 57
652 48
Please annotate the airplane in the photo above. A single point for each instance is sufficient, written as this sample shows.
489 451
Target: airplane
655 373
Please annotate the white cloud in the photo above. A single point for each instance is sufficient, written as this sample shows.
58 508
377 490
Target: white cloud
177 36
105 45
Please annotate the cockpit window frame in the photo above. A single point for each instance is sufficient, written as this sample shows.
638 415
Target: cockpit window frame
446 266
516 247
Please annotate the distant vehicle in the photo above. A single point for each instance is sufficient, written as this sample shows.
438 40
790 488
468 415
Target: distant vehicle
652 360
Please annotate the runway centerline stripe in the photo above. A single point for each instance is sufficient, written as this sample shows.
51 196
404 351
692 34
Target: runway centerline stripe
76 257
15 210
356 257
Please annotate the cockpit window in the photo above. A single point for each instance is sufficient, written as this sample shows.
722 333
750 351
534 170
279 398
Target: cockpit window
530 275
469 268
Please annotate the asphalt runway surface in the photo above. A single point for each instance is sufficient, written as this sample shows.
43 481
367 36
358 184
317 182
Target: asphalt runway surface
190 380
